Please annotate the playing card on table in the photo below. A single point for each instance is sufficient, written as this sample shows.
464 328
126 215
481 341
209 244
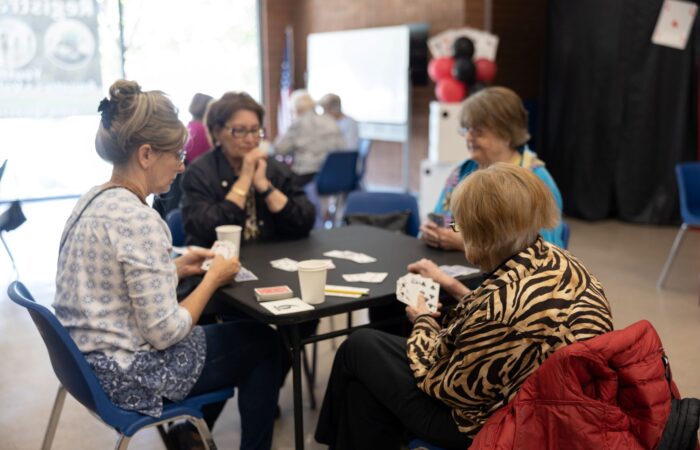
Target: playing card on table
352 256
287 264
365 277
409 286
245 275
458 271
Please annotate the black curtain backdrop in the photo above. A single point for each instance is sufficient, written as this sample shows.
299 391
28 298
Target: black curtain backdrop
618 111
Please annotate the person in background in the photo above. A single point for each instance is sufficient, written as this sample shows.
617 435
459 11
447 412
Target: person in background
494 124
309 138
198 141
116 283
237 184
348 126
453 372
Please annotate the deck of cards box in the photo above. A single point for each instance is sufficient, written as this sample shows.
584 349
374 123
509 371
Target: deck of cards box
409 286
265 294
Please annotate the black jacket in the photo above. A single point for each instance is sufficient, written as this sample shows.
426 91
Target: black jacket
205 184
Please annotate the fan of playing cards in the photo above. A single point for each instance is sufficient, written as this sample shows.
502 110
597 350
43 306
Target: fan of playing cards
409 286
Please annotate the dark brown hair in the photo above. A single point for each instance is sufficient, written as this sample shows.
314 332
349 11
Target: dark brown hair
229 104
199 105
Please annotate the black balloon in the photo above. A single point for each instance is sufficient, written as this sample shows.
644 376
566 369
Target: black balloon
476 87
463 47
464 70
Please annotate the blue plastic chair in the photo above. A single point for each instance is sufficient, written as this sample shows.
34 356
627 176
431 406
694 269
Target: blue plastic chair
688 178
177 228
565 233
336 178
385 202
365 145
417 444
76 376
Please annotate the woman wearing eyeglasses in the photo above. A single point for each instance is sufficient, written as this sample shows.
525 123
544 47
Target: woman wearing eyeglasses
236 183
494 125
116 283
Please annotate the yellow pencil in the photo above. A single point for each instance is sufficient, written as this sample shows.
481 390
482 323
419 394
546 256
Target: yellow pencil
338 291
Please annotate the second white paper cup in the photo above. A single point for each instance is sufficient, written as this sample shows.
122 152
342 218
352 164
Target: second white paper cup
312 280
232 234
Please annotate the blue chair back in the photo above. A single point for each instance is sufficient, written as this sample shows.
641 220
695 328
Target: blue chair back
565 233
385 202
688 177
338 173
68 363
365 145
177 228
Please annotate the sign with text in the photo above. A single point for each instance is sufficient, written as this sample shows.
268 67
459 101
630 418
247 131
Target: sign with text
49 58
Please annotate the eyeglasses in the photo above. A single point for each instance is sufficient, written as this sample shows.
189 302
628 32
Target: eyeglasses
454 227
240 133
181 156
474 131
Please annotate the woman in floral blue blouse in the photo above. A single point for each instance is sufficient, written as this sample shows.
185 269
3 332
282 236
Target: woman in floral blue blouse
115 284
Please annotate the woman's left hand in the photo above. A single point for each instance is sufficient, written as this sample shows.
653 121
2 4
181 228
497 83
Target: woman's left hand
191 262
421 309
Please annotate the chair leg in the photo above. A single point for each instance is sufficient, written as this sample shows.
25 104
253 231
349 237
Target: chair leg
164 437
671 256
204 432
334 346
123 442
53 420
12 259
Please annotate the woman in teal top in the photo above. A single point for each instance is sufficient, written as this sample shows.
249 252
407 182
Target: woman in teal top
494 124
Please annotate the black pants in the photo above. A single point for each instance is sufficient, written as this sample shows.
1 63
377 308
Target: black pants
250 356
372 401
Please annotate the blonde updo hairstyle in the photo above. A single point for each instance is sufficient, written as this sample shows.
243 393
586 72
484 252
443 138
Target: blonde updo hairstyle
500 211
133 118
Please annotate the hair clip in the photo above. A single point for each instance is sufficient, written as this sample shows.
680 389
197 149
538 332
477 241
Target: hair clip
108 109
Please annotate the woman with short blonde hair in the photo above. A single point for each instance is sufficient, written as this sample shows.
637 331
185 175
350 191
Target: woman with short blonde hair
499 211
451 375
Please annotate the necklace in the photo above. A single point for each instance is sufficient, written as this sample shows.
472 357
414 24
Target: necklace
122 183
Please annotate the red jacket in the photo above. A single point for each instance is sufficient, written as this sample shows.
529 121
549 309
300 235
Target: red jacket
609 392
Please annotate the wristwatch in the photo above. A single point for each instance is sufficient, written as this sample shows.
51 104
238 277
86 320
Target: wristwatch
267 191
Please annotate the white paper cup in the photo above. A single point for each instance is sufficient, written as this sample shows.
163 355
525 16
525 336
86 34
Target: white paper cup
312 280
232 234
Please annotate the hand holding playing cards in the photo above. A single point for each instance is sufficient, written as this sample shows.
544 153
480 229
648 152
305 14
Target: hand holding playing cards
421 308
428 269
191 262
222 271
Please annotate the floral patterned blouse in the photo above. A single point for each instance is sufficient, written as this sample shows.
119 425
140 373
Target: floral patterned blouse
115 293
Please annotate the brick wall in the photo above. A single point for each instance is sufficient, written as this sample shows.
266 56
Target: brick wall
520 26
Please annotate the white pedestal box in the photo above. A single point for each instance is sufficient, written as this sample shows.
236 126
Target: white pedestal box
432 179
445 145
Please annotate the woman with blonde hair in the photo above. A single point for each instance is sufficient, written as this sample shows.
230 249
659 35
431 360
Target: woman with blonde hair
115 282
453 372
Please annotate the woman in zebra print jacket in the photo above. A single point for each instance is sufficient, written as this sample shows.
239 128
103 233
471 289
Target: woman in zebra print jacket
445 381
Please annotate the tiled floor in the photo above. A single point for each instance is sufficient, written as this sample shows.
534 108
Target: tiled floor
626 258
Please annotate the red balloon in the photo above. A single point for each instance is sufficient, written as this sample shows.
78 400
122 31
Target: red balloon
485 70
440 68
450 90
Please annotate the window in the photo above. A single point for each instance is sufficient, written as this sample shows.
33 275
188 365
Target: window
47 135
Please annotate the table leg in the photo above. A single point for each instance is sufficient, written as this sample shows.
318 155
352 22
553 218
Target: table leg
295 342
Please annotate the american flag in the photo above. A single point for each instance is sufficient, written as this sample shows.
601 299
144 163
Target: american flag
284 115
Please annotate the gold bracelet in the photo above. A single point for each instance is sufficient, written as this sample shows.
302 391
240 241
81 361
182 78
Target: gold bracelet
240 192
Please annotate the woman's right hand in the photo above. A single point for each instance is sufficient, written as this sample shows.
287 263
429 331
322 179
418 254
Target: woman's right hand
222 270
428 269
